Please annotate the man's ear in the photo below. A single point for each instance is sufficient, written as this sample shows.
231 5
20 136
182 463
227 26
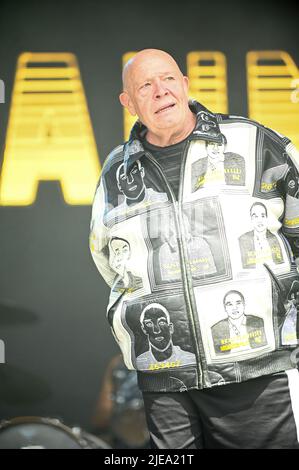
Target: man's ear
144 330
186 83
125 100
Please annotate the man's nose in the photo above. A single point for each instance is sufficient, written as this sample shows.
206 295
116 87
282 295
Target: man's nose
130 178
160 89
157 329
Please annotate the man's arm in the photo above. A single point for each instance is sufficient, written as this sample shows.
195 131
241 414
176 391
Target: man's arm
98 238
291 190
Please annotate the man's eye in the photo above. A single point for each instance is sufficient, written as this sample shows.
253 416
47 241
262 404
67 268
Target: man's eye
170 78
145 85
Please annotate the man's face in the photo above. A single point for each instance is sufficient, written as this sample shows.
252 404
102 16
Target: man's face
259 218
159 331
214 150
234 306
119 255
132 185
158 93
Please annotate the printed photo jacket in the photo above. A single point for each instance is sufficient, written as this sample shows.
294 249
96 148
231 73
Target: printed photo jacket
204 287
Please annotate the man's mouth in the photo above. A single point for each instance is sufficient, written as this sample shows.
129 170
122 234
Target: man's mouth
165 108
132 188
159 338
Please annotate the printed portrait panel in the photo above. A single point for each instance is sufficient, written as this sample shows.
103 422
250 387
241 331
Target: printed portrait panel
217 167
237 325
133 193
206 222
288 324
213 168
206 247
124 250
269 170
256 236
159 332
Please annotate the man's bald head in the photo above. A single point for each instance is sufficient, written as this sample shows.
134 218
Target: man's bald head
141 57
157 92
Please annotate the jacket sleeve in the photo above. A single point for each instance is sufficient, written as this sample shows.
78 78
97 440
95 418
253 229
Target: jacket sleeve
290 187
98 238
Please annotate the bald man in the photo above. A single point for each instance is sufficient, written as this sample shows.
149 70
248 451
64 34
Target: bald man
199 401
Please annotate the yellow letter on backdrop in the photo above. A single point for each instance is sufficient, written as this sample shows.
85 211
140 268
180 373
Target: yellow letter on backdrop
49 135
273 96
207 75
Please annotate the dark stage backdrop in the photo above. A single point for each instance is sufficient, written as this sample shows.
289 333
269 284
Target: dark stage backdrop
52 299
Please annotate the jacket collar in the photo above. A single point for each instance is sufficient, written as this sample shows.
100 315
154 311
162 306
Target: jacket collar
206 128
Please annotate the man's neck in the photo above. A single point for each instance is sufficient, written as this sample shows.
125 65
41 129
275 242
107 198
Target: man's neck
261 235
162 355
131 202
167 137
237 322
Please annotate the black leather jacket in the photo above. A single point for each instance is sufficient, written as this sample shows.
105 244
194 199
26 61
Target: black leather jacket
203 288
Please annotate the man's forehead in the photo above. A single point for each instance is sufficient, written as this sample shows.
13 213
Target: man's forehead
258 209
136 165
147 66
155 314
233 297
150 71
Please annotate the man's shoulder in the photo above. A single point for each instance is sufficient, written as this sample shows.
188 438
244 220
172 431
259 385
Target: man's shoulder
182 354
144 360
246 236
219 325
270 235
145 356
243 120
115 156
253 320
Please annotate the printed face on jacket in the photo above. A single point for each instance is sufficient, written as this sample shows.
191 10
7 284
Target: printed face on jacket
119 253
132 184
238 333
214 150
234 305
155 323
259 219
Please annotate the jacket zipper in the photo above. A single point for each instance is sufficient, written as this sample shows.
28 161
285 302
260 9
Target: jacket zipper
182 250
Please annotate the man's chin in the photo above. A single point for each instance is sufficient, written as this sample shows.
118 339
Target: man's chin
166 124
133 198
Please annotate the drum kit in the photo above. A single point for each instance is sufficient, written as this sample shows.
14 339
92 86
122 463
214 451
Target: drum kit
30 432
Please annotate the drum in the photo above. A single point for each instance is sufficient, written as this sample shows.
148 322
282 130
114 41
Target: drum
30 432
128 422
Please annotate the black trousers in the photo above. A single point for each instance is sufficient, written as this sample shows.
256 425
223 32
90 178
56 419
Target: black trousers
261 413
